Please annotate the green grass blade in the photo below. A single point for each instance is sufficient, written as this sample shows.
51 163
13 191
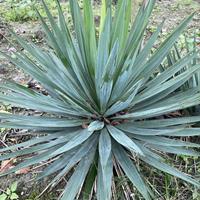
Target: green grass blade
170 170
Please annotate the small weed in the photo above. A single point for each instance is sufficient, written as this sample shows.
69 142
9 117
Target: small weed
10 193
23 10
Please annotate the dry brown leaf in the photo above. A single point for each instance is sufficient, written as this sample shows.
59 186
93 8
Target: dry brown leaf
6 165
174 114
23 171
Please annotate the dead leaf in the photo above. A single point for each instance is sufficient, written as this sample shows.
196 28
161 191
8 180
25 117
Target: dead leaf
6 165
115 123
174 114
23 171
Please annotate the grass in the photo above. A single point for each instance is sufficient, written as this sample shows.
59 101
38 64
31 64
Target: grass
23 10
191 3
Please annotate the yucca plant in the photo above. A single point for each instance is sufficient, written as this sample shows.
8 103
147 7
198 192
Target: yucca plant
176 54
105 102
189 44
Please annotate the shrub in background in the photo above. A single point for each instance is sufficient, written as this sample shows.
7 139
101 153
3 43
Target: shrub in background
103 101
